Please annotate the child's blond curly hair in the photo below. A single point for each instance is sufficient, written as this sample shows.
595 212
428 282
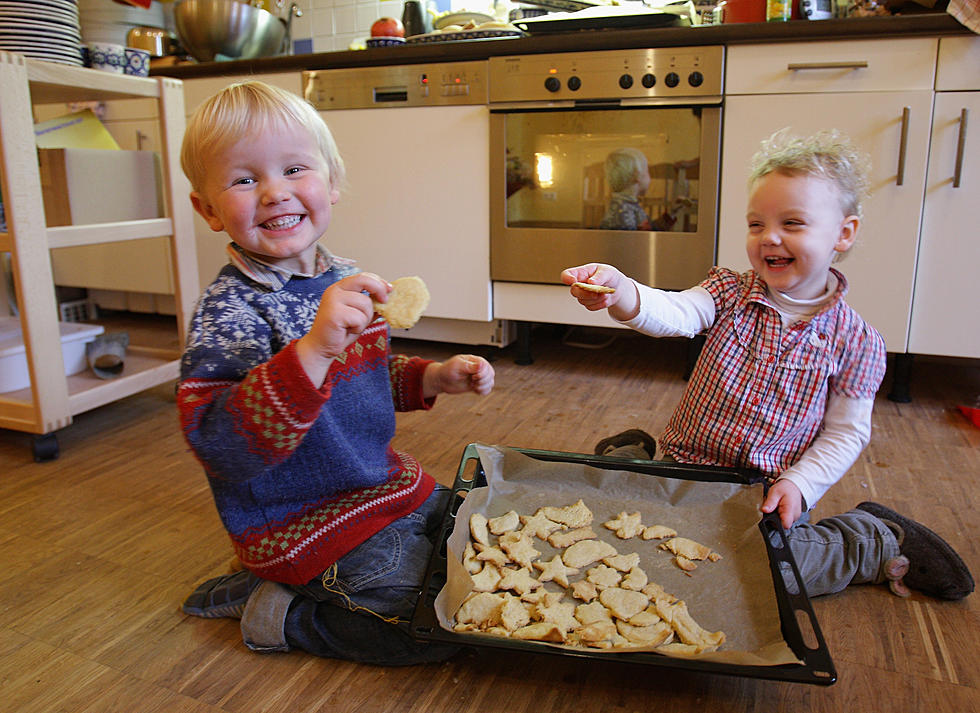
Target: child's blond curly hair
623 167
249 108
827 154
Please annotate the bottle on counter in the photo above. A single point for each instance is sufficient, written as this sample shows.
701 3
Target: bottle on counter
779 10
414 18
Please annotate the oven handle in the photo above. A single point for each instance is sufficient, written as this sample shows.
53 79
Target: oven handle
564 104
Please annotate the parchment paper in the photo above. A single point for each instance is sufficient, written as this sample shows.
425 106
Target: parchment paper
734 595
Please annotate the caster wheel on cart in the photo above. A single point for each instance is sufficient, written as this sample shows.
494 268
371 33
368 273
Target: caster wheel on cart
45 447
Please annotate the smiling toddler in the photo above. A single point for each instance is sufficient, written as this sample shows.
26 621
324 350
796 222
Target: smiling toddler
787 378
287 396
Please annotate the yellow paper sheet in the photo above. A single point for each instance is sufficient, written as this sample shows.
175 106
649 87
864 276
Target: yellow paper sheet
81 130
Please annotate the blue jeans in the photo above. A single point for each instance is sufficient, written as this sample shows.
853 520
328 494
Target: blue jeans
360 608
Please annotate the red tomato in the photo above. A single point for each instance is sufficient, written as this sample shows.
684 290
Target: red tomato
387 27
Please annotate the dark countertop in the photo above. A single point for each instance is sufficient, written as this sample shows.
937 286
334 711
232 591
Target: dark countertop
925 24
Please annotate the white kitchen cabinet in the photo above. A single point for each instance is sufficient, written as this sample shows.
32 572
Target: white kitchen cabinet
52 399
944 318
878 92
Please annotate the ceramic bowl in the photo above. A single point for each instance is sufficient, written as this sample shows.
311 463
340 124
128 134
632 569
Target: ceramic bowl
107 57
137 62
384 41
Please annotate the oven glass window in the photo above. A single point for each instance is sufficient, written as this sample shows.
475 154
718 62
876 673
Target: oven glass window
622 169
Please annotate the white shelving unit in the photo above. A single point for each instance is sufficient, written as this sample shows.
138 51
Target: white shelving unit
53 399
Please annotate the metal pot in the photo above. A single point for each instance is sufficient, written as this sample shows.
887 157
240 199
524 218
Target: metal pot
155 40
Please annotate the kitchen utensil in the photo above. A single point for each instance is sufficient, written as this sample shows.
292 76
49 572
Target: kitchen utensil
598 18
233 30
155 40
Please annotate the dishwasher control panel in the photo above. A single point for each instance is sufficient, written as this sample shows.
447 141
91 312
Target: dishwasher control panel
439 84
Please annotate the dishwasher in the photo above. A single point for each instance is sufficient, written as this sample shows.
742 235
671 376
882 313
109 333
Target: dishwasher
414 141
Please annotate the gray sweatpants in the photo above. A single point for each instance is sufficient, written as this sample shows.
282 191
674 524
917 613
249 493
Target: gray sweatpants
851 548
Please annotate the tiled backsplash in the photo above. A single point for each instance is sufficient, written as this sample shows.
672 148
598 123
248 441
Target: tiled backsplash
333 25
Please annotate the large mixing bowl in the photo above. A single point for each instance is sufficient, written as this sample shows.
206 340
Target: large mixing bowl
236 30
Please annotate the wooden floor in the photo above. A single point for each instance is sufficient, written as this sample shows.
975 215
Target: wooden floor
100 546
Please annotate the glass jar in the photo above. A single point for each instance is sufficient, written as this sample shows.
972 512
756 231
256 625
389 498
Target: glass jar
779 10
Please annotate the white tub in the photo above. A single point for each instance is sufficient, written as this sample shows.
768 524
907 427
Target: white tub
13 357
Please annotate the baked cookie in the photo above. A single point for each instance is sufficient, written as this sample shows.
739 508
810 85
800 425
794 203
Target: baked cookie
406 302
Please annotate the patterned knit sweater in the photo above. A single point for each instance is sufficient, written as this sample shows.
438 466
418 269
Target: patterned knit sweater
300 474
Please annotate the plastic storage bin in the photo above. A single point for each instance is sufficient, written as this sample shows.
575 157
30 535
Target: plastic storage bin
13 357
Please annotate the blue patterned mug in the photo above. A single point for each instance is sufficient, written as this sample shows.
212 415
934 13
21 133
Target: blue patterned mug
107 57
137 62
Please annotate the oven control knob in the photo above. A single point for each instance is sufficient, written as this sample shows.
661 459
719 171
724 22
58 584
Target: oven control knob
552 84
626 81
574 83
672 80
648 80
695 79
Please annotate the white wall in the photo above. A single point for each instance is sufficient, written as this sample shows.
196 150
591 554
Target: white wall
333 25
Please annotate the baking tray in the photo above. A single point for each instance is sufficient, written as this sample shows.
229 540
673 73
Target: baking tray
797 620
591 20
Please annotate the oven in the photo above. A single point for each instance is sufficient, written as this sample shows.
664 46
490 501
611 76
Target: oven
555 120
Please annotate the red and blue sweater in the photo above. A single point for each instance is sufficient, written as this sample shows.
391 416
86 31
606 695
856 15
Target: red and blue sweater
300 474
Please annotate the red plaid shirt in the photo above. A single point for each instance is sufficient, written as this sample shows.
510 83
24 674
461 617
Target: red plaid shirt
758 393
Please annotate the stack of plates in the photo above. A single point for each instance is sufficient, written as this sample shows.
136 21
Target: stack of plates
41 29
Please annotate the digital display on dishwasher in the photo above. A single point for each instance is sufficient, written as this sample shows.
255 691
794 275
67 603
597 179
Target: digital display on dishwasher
390 94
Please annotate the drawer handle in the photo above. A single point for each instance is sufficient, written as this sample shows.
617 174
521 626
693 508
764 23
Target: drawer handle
796 66
903 146
960 149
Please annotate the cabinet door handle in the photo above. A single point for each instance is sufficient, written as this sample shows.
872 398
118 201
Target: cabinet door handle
903 146
857 64
960 149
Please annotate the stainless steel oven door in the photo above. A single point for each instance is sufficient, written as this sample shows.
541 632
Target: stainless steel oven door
552 201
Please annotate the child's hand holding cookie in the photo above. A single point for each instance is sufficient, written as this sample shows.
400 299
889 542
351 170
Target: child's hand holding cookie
597 286
346 309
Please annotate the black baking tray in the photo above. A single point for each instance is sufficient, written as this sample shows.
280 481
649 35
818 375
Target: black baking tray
574 21
798 622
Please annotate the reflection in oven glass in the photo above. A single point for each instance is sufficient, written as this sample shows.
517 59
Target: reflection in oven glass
629 169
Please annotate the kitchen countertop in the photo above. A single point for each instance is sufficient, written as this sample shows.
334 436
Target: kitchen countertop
924 24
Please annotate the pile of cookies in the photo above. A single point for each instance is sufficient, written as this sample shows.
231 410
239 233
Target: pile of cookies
604 599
